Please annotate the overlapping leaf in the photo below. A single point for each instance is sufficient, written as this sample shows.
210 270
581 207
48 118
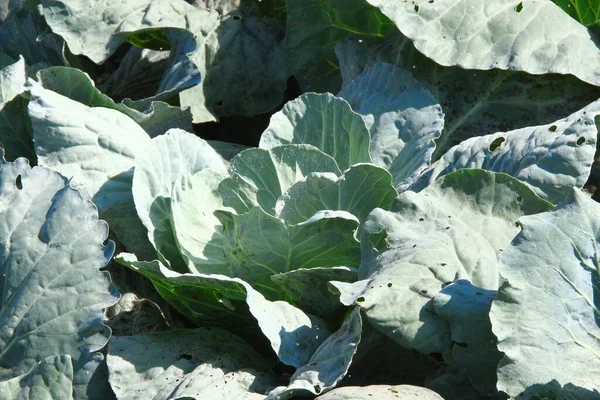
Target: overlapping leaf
552 274
324 121
199 363
161 162
52 294
454 229
403 118
258 245
474 102
233 304
550 158
474 34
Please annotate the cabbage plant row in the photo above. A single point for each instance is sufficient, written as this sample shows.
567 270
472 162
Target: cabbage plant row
411 223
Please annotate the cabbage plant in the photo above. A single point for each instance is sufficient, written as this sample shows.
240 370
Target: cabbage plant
416 217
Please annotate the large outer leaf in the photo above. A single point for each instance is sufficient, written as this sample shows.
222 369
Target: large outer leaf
52 296
359 190
258 245
197 231
260 177
553 275
157 168
532 36
550 158
95 146
92 28
313 29
155 118
328 365
51 378
403 119
475 103
201 363
211 299
243 66
383 392
324 121
453 229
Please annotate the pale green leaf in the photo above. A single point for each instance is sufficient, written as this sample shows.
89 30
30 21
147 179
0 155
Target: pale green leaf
51 378
324 121
536 37
260 177
155 117
52 294
161 162
197 231
403 118
474 102
454 229
258 245
205 363
550 158
383 392
328 365
96 147
233 304
359 190
552 274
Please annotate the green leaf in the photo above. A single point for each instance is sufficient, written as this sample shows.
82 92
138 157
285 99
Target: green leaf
157 168
587 12
454 229
313 29
530 36
52 294
359 190
328 365
200 363
475 102
550 158
403 118
67 132
308 288
383 392
552 274
51 378
233 304
258 245
260 177
324 121
198 232
154 117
